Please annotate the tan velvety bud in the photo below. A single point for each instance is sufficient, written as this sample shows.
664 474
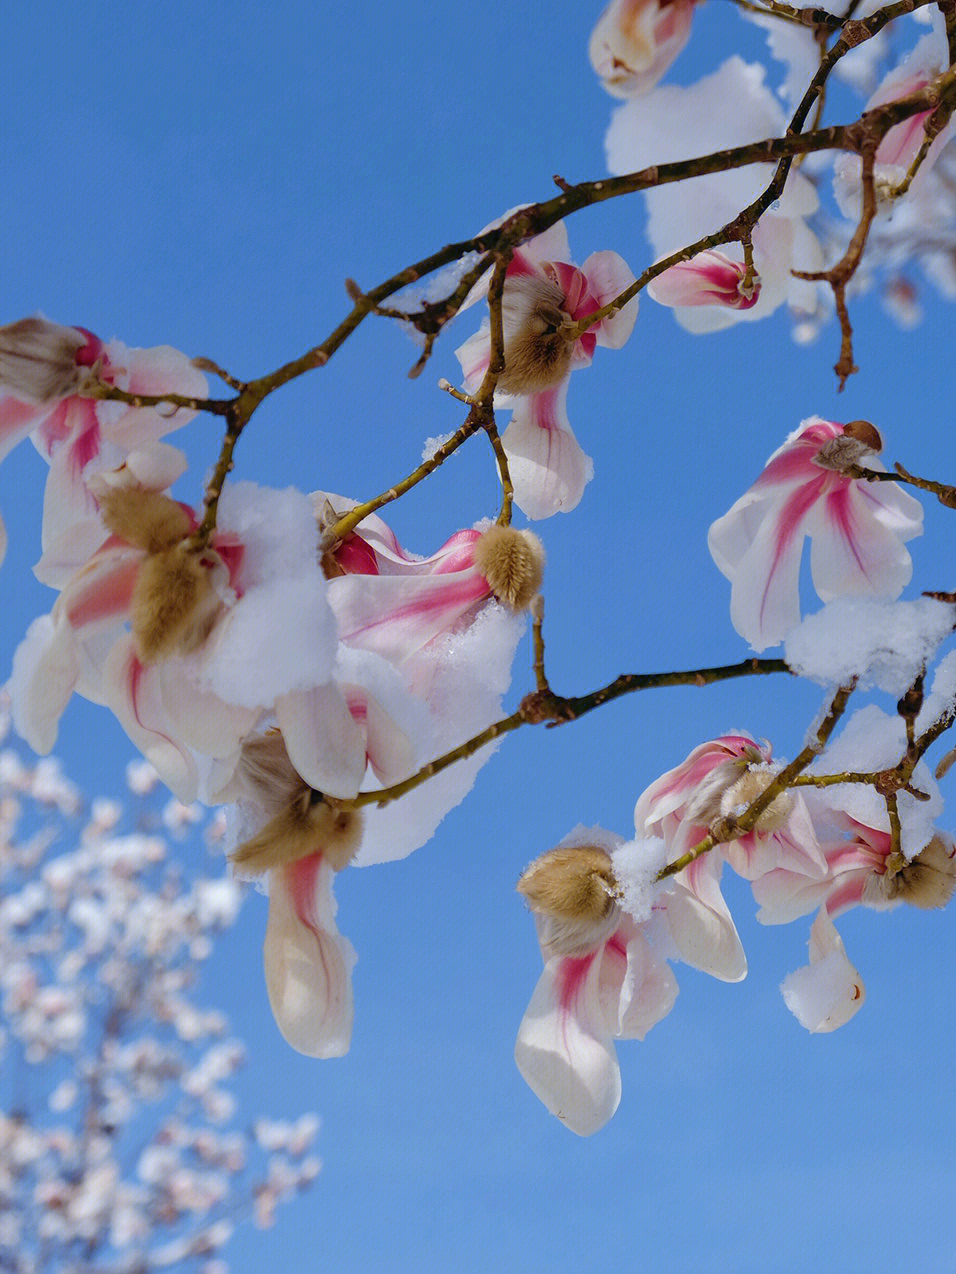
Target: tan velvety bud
174 604
266 773
865 432
513 564
927 881
147 519
305 826
576 883
38 360
538 342
751 784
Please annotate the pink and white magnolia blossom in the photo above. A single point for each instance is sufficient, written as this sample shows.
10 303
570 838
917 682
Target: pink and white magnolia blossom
857 530
900 146
635 41
709 278
549 470
612 985
718 778
73 432
273 638
731 107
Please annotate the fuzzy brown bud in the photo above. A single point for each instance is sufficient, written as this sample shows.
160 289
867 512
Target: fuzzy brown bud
538 335
751 784
573 893
305 826
513 564
147 519
865 432
174 604
38 360
928 880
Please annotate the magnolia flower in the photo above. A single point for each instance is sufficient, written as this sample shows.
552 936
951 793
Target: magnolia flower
43 369
544 296
901 144
857 530
720 778
709 278
635 41
827 992
731 107
602 981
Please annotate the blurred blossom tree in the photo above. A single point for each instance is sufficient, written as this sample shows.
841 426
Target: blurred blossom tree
119 1146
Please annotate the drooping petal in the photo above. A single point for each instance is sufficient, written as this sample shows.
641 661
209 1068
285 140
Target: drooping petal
45 672
549 471
644 992
827 992
855 552
608 275
564 1051
326 745
701 925
308 963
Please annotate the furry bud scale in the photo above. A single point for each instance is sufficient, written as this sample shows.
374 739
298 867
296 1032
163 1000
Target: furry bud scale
513 564
928 880
147 519
573 893
174 604
538 335
305 826
38 360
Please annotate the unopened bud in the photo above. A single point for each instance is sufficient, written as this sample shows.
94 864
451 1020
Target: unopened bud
751 784
513 564
306 826
859 442
38 360
865 432
538 335
926 881
174 604
146 519
574 893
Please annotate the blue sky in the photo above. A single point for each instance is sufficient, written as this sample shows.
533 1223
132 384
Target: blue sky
207 176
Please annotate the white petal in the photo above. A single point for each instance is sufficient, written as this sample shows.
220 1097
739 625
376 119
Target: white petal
549 470
326 745
45 672
827 992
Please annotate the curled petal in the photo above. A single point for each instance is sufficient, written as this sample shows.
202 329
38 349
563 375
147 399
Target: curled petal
308 963
701 925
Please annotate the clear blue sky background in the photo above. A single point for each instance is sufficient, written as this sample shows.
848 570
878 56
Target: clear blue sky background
207 175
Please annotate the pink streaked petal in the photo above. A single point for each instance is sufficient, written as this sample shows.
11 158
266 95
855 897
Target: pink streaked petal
326 745
608 275
474 356
564 1050
397 615
308 963
160 370
700 922
785 895
101 590
854 554
197 717
17 421
549 470
133 691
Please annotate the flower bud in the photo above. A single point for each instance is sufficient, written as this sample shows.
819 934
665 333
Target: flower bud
305 826
513 564
174 604
573 893
751 784
926 881
635 41
538 335
859 442
38 360
146 519
709 278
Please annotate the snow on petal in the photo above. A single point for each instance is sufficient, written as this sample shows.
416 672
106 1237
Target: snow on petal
308 963
827 992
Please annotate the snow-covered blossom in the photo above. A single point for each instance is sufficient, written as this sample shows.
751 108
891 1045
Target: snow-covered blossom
857 530
544 295
41 397
827 992
635 41
719 778
731 107
602 981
